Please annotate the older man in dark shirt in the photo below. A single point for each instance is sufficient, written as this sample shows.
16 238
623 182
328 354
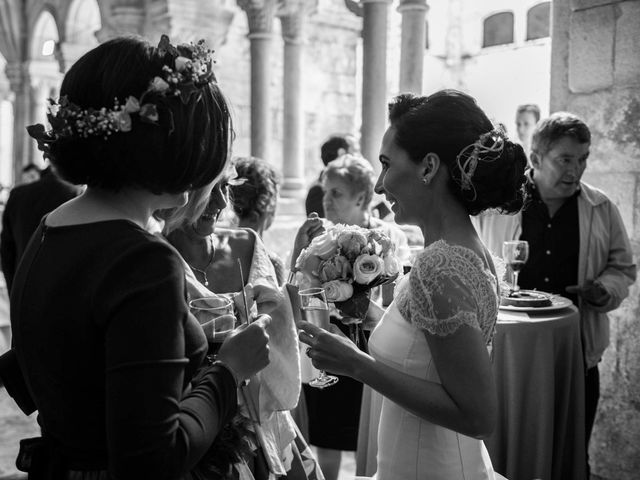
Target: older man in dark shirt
577 241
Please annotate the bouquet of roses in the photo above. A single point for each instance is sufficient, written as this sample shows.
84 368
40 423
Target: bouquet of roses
348 261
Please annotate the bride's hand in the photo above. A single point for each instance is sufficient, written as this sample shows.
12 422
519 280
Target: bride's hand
330 350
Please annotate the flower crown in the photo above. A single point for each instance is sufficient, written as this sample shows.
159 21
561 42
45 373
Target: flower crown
192 68
487 148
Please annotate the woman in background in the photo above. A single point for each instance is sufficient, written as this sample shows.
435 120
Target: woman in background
254 199
348 183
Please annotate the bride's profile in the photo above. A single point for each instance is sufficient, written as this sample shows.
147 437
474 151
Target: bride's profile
442 161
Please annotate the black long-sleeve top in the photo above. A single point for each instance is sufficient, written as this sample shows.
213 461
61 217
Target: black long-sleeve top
109 351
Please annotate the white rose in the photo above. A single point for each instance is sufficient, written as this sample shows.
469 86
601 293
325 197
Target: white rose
391 265
159 85
324 246
337 291
182 63
367 268
132 105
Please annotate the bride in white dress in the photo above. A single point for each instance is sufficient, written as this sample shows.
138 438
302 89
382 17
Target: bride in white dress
441 161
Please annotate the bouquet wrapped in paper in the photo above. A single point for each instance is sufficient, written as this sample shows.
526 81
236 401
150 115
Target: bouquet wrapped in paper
348 261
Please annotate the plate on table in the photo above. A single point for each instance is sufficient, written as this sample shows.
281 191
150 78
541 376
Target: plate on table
557 303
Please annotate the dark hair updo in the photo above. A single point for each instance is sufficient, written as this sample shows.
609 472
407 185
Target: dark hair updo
188 149
448 122
258 194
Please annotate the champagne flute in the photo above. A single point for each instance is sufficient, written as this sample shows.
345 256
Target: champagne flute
316 311
515 254
215 315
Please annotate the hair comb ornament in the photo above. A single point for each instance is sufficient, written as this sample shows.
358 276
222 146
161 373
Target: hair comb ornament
192 68
487 148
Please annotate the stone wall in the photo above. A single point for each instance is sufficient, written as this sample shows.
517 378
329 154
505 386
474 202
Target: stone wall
595 73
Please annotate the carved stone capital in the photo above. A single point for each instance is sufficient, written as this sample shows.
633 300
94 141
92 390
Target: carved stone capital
292 28
18 75
413 5
260 14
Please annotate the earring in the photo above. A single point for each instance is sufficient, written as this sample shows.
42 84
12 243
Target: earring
426 180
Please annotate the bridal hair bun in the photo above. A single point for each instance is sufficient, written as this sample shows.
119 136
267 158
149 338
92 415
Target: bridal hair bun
130 114
486 168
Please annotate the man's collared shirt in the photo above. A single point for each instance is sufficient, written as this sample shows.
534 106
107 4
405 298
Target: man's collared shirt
554 246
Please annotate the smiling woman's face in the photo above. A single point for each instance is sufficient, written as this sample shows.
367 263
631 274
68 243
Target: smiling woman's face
218 201
399 181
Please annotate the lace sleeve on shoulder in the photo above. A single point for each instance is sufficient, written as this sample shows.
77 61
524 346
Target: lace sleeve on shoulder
440 301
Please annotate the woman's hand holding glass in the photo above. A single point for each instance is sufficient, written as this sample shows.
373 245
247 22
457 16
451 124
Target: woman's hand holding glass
216 317
246 349
330 349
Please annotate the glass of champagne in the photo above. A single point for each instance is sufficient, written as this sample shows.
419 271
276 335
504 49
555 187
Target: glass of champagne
215 315
515 254
315 310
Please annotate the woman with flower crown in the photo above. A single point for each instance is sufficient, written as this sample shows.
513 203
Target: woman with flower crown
113 359
442 161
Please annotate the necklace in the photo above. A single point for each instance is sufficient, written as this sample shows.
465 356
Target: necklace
204 271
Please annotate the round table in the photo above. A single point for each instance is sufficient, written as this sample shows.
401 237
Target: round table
539 374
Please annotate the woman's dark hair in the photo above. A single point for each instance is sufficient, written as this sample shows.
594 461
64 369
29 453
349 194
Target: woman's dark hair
448 122
258 194
188 149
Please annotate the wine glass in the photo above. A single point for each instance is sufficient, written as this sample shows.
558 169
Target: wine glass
215 315
313 303
515 254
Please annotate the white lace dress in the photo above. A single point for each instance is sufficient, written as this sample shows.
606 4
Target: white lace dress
447 287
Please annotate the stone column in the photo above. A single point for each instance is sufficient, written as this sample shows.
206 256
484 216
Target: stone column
20 84
293 145
374 76
126 19
260 15
414 14
594 74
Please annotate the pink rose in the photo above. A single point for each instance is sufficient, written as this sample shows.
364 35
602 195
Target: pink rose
308 262
367 268
132 105
382 243
159 85
324 246
303 281
182 63
391 265
124 121
351 241
337 291
335 268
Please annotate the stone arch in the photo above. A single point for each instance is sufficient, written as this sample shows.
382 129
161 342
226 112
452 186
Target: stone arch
83 20
498 29
45 31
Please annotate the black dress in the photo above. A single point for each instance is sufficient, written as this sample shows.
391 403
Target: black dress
111 354
334 412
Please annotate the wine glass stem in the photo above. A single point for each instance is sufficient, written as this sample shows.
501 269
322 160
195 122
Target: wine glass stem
515 281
